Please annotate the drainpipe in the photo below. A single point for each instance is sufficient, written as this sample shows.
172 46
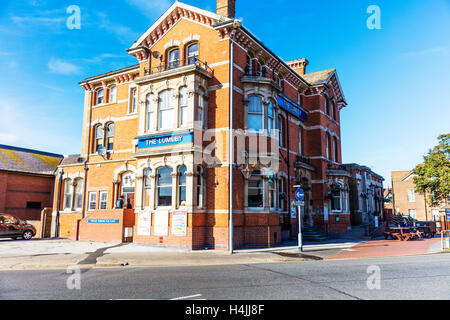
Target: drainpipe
86 167
59 204
231 161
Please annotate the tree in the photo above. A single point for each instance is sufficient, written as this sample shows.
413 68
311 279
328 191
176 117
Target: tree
433 176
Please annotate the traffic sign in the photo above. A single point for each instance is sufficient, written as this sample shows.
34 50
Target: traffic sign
300 195
299 203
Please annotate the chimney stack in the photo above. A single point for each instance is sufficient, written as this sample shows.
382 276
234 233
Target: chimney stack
226 8
299 65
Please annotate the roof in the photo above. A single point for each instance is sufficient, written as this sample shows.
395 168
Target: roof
28 161
320 77
72 159
111 73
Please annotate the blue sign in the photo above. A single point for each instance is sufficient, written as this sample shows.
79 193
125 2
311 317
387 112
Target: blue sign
447 212
104 221
165 140
292 107
300 195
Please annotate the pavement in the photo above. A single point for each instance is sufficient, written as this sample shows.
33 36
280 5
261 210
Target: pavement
63 253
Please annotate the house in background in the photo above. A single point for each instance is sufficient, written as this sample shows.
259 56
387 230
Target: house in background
26 181
409 203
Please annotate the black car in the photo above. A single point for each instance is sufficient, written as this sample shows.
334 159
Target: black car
12 227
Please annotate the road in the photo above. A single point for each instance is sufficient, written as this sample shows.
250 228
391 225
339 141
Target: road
415 277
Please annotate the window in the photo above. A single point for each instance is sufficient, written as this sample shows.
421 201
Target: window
164 187
270 118
259 69
147 179
336 150
174 58
150 111
166 110
103 200
412 213
333 149
183 106
300 140
256 191
255 114
182 186
68 194
192 54
110 136
98 137
248 68
92 201
281 130
436 214
272 193
200 187
133 104
327 109
100 96
411 196
282 194
333 110
113 94
79 194
201 108
336 201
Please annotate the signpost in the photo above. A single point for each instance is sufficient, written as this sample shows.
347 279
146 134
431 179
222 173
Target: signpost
300 197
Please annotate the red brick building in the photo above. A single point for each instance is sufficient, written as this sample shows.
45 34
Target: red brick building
27 179
149 129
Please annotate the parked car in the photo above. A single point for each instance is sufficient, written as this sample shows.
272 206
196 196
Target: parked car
12 227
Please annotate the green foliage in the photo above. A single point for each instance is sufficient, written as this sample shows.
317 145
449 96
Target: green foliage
433 176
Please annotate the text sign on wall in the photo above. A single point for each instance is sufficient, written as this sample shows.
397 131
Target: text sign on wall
179 223
447 212
292 107
103 221
161 228
166 140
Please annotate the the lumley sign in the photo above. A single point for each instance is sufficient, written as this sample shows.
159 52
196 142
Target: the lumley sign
165 140
292 107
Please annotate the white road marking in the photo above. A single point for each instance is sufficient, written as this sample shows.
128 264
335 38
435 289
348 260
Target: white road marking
189 297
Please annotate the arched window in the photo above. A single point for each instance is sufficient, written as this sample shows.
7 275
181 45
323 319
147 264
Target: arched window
182 186
174 59
147 187
336 150
201 187
110 136
99 135
166 110
272 193
192 54
255 114
300 141
328 146
78 194
164 187
248 68
68 191
282 194
183 106
150 112
100 96
270 117
128 184
113 94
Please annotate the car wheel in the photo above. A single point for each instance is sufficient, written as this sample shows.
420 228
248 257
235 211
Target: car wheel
27 235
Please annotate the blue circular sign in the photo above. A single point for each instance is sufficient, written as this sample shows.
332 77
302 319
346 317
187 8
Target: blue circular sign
300 195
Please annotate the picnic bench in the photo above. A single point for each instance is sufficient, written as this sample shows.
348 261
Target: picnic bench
403 233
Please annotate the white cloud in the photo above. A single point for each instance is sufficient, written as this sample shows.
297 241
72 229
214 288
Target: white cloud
429 51
63 67
45 21
8 138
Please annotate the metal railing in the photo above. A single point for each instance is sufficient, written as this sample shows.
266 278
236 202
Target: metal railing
175 64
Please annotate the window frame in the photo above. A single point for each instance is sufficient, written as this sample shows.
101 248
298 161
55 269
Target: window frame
195 57
255 114
111 89
165 186
101 201
183 106
256 177
168 94
90 201
181 185
97 96
173 63
68 193
201 188
78 196
109 138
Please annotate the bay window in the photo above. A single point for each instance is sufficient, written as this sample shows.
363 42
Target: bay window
201 108
166 110
281 130
270 118
183 106
201 187
182 186
150 113
336 201
255 114
272 193
256 191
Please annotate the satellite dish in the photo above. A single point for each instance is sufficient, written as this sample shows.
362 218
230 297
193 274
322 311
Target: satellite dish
101 151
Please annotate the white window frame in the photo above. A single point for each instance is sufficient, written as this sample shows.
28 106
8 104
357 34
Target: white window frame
173 63
411 196
92 200
98 96
113 98
103 201
412 213
68 186
194 56
183 107
150 121
166 104
255 114
78 195
133 100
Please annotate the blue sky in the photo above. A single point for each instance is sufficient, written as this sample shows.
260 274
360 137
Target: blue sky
396 80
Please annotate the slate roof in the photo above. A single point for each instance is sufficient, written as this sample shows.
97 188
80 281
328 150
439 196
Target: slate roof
28 161
319 77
